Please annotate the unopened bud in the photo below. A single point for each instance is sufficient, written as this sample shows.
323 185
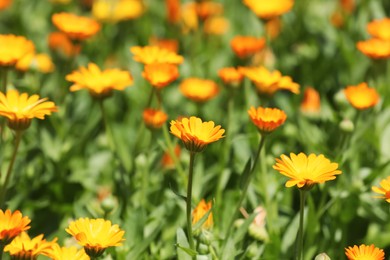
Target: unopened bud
322 256
347 125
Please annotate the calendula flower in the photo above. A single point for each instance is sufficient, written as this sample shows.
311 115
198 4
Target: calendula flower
11 225
206 9
74 26
160 75
13 48
66 253
305 171
154 54
95 235
364 252
361 96
114 11
4 4
267 119
380 29
61 43
23 247
268 9
244 46
375 48
173 10
216 25
195 134
171 45
40 62
20 109
201 209
100 84
199 90
311 103
384 189
154 118
189 17
167 160
231 76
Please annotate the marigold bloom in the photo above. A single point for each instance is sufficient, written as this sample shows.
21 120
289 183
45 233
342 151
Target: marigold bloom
195 134
154 54
305 171
76 27
216 25
66 253
23 247
384 189
207 9
199 90
311 103
268 9
11 225
160 75
5 4
380 29
267 119
114 11
171 45
167 161
244 46
19 109
62 43
201 209
13 48
41 62
231 76
95 235
361 96
364 252
173 10
99 83
375 48
154 118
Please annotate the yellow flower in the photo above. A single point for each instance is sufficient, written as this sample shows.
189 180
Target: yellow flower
216 25
66 253
13 48
199 90
375 48
41 62
363 252
195 134
23 247
95 235
11 225
268 9
201 209
244 46
267 119
230 76
19 109
76 27
361 96
311 103
384 189
380 29
154 118
305 171
154 54
189 17
160 75
99 83
114 11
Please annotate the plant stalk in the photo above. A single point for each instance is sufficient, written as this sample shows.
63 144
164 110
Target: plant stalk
302 196
189 202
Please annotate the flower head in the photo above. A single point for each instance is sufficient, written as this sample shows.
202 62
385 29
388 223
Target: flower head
13 48
95 235
99 83
66 253
363 252
380 29
199 90
40 62
231 76
154 118
195 134
19 109
361 96
267 119
160 75
11 225
154 54
375 48
201 209
244 46
384 189
311 103
216 25
114 11
305 171
76 27
268 9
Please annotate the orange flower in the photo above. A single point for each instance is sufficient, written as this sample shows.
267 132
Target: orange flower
348 5
5 4
384 190
230 76
167 160
160 75
207 9
41 62
272 27
380 29
361 96
60 42
201 209
244 46
173 10
11 225
154 54
199 90
364 252
114 11
311 103
154 118
269 9
171 45
267 119
375 48
76 27
217 25
13 48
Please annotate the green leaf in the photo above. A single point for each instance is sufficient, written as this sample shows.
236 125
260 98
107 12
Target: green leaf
140 248
184 251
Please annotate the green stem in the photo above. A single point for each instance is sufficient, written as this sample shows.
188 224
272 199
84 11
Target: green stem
189 200
107 127
3 192
171 151
150 98
1 251
302 196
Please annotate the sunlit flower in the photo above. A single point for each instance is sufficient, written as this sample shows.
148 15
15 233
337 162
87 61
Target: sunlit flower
189 17
66 253
23 247
13 48
244 46
154 118
361 96
216 25
167 160
173 10
201 209
60 42
95 235
114 11
273 27
384 189
268 9
171 45
305 171
375 48
380 29
99 83
154 54
363 252
160 75
40 62
5 4
11 225
207 9
19 109
195 134
230 76
267 119
76 27
311 103
199 90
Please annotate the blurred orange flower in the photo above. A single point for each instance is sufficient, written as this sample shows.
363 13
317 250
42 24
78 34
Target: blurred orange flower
361 96
348 5
40 62
207 9
171 45
13 48
311 103
199 90
63 253
154 54
201 209
167 160
74 26
173 10
114 11
160 75
11 225
216 25
231 76
384 189
269 9
188 17
273 27
154 118
61 42
364 252
5 4
375 48
267 119
380 29
244 46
